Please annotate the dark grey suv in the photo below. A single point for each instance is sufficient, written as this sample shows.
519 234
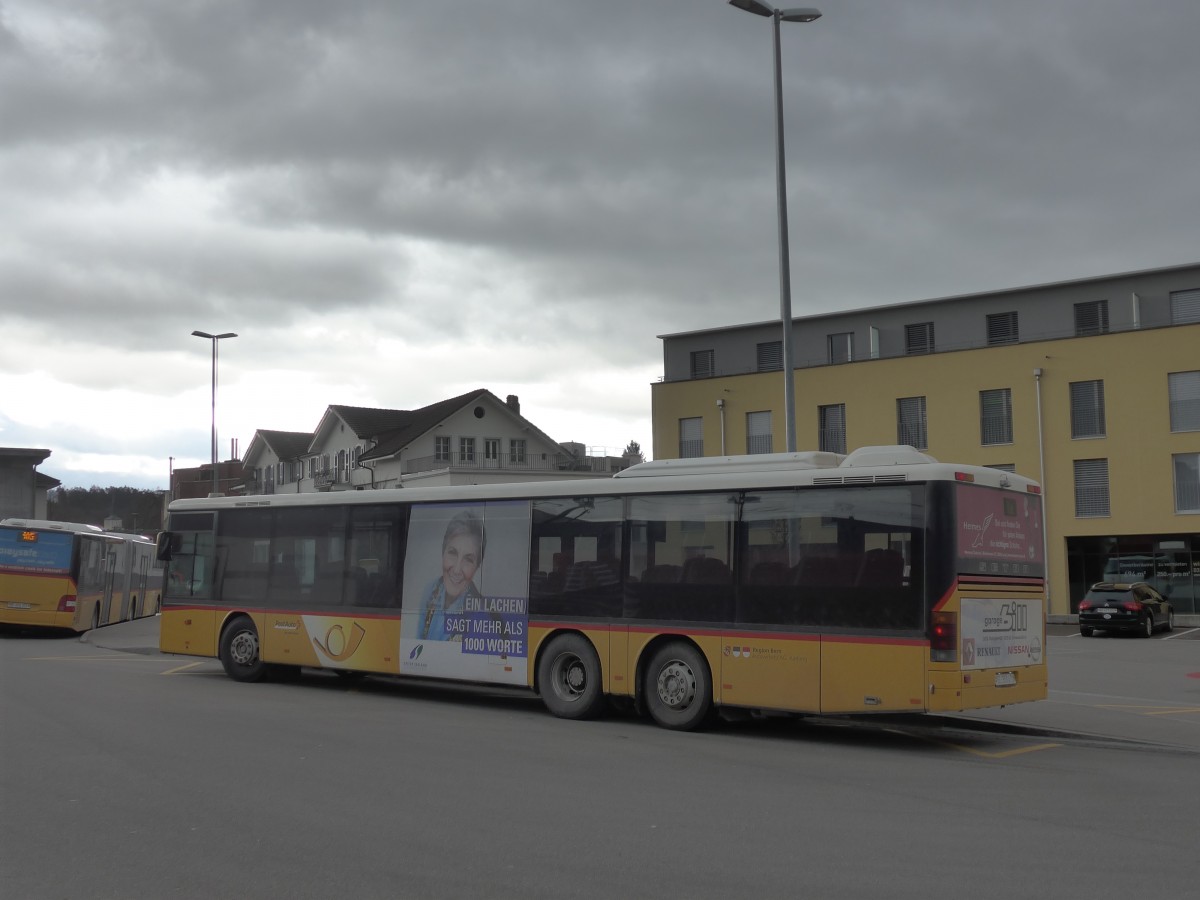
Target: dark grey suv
1124 606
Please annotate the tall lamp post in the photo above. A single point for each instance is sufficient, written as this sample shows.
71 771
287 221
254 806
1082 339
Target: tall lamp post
785 278
214 338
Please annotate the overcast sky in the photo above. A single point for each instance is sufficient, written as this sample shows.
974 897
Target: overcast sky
393 203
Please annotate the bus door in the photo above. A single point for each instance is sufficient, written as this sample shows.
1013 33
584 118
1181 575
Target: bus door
188 616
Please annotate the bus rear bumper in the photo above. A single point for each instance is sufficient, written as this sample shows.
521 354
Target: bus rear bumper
983 688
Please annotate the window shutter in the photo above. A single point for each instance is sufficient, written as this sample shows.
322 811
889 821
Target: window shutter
1185 306
918 338
758 432
691 437
831 424
910 419
770 356
1087 409
1002 328
1184 389
995 416
1091 318
1091 488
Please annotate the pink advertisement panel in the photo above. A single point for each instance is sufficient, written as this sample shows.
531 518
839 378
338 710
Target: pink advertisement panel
999 532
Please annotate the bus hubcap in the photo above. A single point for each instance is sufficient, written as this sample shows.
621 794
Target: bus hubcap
244 648
676 685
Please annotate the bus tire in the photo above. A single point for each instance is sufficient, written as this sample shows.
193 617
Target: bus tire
240 652
678 687
569 678
133 609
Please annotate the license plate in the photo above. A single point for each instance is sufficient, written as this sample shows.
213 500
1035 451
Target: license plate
1006 679
20 606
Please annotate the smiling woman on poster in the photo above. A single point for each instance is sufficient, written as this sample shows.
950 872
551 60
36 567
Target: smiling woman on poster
443 600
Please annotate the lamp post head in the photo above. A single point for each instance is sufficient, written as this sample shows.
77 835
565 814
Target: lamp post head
765 9
213 337
799 15
754 6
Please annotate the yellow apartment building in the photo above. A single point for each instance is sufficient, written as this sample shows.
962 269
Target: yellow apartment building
1091 387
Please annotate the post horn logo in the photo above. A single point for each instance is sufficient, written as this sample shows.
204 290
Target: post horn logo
336 646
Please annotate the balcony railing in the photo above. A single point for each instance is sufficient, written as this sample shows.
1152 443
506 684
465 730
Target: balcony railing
531 462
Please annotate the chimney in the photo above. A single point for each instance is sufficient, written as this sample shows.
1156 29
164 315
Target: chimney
513 403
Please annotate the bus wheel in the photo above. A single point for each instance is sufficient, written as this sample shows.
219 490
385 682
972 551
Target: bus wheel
95 617
569 678
239 651
678 687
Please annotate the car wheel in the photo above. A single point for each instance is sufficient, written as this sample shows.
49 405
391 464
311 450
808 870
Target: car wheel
1170 626
1086 631
1147 625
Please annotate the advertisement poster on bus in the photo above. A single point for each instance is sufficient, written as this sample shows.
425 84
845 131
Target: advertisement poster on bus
465 608
999 532
1001 633
35 552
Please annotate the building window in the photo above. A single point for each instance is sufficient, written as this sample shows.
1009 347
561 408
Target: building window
910 422
342 461
770 356
1091 488
441 449
841 347
466 449
1185 306
1091 318
918 338
1187 482
1002 328
831 428
758 432
516 450
702 364
491 450
1087 409
1184 389
995 416
691 437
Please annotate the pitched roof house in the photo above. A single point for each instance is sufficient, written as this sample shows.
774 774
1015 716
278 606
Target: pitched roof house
474 438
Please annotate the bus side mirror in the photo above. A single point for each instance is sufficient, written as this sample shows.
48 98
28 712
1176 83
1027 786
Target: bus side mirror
165 544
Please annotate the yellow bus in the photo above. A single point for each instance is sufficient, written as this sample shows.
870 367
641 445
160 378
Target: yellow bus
881 581
73 576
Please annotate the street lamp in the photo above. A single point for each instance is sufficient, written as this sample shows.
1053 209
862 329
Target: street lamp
214 338
785 278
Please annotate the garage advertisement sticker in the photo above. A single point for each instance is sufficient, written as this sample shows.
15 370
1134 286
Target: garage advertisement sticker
1001 633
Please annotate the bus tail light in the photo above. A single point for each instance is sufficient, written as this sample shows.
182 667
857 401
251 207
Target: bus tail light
943 637
66 603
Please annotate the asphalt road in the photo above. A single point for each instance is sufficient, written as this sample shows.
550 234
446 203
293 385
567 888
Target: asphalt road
126 773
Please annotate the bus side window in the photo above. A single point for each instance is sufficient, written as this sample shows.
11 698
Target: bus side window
373 556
